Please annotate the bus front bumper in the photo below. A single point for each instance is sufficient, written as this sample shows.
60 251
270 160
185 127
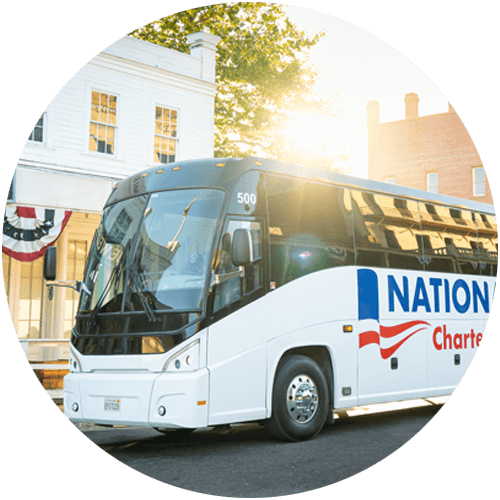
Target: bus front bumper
166 400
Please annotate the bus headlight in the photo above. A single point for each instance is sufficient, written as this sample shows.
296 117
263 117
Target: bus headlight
187 359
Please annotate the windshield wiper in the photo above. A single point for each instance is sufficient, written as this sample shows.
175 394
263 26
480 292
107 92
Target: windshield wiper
109 284
141 285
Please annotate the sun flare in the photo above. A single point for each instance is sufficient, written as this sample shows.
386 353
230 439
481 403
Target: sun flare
310 131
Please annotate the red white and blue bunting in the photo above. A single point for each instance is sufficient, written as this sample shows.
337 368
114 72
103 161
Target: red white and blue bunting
28 231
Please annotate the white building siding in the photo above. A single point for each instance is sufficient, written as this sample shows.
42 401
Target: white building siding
62 173
141 75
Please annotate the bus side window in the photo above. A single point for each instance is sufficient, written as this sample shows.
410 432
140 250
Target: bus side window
487 243
387 231
310 228
452 239
235 288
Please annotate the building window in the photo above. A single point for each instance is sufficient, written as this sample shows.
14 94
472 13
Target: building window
432 182
165 144
37 134
390 180
103 123
479 181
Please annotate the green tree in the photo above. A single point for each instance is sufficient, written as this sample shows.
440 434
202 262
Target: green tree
263 74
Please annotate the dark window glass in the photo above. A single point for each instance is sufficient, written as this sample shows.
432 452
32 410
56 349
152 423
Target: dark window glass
310 228
387 231
452 242
487 239
233 285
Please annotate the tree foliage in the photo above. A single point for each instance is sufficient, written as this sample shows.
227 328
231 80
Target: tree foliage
262 73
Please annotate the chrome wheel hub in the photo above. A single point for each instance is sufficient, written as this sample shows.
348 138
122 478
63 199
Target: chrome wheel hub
302 399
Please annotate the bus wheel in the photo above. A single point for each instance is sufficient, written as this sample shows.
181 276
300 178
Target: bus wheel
300 400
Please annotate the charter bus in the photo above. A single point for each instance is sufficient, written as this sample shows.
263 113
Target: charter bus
224 291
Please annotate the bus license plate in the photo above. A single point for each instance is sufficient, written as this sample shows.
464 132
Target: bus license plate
111 404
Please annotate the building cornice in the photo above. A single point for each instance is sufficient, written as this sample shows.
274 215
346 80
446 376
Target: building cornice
155 74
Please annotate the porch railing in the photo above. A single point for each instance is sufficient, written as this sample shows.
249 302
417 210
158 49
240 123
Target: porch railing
40 352
49 359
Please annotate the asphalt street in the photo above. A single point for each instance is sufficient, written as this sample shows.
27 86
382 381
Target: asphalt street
245 461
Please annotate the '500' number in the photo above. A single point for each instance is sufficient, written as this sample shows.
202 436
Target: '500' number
247 198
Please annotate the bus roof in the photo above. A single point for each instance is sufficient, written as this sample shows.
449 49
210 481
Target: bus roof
224 172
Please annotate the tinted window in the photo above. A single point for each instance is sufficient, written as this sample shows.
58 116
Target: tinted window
233 287
487 243
387 231
450 239
310 228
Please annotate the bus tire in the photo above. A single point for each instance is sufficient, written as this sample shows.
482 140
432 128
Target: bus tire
300 400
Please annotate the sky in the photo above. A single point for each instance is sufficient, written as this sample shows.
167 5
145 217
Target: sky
360 67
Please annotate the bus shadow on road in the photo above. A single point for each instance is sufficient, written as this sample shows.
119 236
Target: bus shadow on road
248 434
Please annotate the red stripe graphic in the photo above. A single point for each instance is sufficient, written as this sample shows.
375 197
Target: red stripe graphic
373 337
387 353
370 337
387 332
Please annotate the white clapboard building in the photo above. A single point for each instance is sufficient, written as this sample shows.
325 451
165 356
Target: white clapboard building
135 105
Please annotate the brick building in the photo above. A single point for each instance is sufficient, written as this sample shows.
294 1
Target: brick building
432 153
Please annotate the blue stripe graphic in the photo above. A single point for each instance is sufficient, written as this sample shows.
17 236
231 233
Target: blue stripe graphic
368 306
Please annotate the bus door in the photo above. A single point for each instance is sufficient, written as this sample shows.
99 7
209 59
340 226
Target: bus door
237 332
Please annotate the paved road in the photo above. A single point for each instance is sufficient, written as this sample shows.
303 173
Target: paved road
246 462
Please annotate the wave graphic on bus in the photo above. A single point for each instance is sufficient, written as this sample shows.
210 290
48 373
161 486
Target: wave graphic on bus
369 317
387 332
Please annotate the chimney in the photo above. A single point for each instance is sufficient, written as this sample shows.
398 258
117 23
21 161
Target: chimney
203 45
411 106
373 110
373 126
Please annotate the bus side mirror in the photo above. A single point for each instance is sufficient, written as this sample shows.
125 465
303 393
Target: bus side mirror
242 247
49 264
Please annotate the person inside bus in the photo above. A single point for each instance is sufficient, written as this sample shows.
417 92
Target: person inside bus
195 264
228 291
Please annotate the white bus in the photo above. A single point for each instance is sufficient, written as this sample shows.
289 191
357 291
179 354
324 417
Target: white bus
224 291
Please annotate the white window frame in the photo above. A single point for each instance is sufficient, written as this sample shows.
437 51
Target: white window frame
475 182
114 126
153 131
44 130
430 187
103 87
46 142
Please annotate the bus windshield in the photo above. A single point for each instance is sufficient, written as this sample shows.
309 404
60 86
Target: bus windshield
150 254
